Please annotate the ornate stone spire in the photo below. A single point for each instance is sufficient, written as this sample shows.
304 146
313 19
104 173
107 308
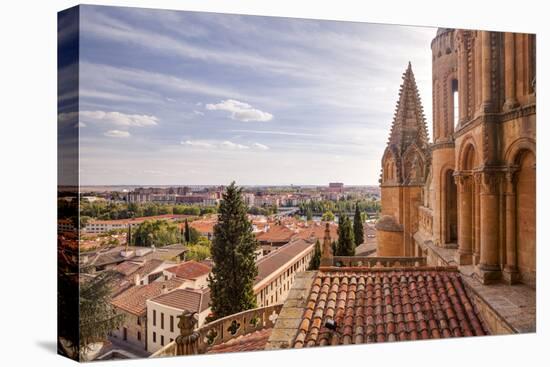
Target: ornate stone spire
407 154
409 123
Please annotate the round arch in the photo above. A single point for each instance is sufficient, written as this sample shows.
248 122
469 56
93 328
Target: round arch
467 157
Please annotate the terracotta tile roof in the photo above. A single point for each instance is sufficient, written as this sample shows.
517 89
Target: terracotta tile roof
317 231
149 267
134 299
269 264
371 306
185 299
162 253
189 270
276 233
244 343
203 226
126 268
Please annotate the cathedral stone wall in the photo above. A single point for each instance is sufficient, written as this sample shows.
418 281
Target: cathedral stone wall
477 180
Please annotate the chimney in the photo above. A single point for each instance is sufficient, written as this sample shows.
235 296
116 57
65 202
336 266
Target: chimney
164 289
136 279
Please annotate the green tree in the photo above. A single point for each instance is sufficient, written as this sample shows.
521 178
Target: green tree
84 219
97 317
309 214
187 232
346 242
316 258
198 252
328 216
358 230
233 253
159 233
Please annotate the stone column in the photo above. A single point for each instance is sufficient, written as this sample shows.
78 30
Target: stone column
489 268
510 273
462 77
476 240
486 87
511 101
464 186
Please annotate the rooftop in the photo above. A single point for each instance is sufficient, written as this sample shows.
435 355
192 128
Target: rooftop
275 260
244 343
276 233
203 226
189 270
376 305
185 299
134 299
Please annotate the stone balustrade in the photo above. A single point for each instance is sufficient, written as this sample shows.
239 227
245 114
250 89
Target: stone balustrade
222 330
425 219
378 262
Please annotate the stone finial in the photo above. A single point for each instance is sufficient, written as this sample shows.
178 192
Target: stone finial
187 341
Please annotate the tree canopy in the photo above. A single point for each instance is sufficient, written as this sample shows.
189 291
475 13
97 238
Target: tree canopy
346 241
159 233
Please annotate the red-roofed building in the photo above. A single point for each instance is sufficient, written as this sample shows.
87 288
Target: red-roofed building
163 312
132 304
193 274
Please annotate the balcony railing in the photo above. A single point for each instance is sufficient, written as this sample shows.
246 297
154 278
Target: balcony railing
378 262
222 330
425 219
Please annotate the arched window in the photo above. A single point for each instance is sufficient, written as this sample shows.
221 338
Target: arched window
455 101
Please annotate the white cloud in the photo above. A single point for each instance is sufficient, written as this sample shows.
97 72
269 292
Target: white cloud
240 111
119 118
223 145
260 146
198 113
198 143
80 124
117 134
230 145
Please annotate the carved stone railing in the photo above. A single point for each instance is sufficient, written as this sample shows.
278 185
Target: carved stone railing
425 219
221 331
378 262
168 350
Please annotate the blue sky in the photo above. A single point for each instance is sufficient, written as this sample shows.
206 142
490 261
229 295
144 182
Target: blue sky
172 97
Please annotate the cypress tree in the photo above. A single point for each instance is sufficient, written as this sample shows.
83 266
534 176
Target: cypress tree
316 258
358 226
187 232
346 242
233 253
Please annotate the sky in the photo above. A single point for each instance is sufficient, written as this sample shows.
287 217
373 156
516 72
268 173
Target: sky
174 97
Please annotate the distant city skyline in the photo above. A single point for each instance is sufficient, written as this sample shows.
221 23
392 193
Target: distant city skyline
168 97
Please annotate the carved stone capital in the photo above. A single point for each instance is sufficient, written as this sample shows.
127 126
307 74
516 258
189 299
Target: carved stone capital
490 182
464 181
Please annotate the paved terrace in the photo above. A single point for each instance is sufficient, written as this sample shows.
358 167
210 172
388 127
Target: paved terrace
516 303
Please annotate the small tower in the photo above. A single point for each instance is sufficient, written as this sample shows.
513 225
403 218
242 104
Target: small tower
326 254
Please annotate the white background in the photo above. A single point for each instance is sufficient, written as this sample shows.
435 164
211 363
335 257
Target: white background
28 184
